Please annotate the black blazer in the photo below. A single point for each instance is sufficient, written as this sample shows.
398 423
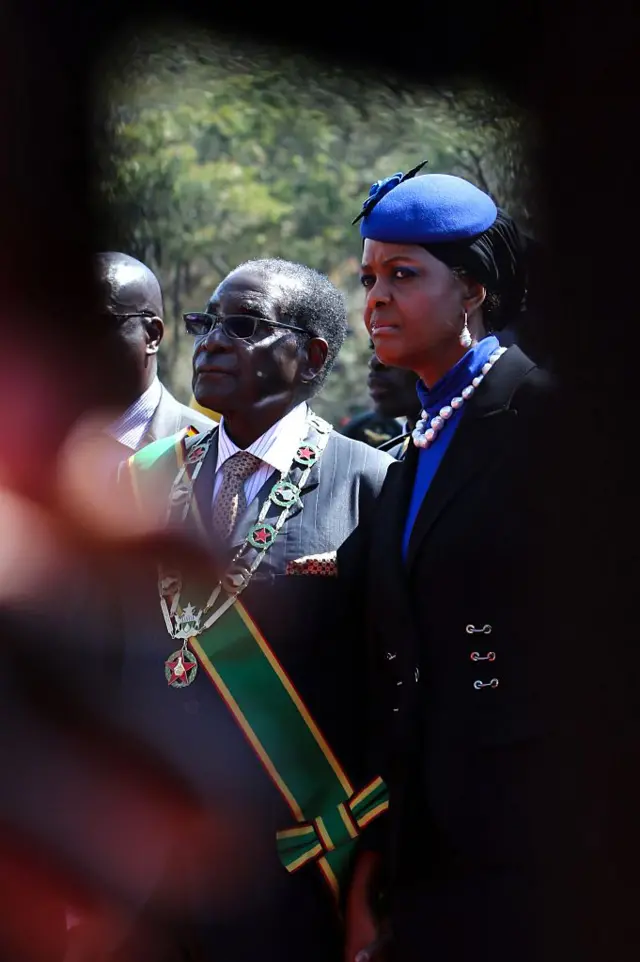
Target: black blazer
462 686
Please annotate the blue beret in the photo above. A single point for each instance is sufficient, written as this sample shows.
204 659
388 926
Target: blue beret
430 209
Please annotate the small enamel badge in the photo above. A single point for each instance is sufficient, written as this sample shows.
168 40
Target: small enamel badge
285 494
180 668
195 454
261 536
187 622
307 455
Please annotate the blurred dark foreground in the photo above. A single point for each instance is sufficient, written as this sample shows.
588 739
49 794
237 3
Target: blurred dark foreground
85 811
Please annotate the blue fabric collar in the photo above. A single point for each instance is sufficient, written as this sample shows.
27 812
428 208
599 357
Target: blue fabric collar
460 375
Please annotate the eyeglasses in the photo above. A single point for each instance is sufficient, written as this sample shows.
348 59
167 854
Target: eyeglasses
239 326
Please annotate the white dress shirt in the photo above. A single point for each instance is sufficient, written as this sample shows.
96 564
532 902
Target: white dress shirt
275 448
131 427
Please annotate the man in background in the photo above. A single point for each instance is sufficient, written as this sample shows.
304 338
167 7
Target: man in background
133 307
395 405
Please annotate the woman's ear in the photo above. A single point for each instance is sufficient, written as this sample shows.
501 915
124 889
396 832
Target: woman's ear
473 294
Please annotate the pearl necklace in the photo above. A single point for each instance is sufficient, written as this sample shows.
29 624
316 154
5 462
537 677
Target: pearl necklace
424 434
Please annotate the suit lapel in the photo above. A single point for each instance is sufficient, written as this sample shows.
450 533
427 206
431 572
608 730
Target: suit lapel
165 420
481 436
393 507
475 444
200 514
389 590
250 516
386 564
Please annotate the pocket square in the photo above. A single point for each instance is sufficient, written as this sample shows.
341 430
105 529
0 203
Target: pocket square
315 564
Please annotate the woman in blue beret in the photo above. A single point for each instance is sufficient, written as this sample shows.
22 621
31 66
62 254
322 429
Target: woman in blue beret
461 689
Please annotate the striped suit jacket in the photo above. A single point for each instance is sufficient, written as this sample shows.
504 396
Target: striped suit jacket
309 625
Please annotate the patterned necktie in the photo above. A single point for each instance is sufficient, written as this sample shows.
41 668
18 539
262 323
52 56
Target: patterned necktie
230 501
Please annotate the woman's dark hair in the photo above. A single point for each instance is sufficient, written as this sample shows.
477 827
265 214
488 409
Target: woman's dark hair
497 259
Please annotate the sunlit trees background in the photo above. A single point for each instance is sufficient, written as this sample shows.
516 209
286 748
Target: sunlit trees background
213 152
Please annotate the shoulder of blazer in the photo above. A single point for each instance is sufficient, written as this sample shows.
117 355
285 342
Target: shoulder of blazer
171 416
363 458
192 418
509 383
365 466
534 394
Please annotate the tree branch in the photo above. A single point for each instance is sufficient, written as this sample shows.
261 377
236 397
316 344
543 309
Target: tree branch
475 167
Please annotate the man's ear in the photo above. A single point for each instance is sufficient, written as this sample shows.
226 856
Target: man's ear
154 332
317 350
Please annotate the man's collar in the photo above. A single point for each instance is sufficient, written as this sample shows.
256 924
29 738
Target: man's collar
150 398
276 446
130 427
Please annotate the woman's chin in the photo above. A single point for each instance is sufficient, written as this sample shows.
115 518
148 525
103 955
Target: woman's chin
392 355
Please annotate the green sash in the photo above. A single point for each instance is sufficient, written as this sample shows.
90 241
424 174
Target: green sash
236 657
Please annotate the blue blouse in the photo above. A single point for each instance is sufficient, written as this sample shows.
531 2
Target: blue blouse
453 382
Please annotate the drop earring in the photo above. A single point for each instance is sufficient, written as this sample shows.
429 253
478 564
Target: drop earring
465 336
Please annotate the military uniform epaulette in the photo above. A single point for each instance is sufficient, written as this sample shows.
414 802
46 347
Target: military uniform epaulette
375 438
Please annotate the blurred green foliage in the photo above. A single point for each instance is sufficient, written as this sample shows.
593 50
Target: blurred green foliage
214 152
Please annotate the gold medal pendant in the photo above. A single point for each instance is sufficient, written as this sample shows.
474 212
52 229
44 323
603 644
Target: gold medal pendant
180 668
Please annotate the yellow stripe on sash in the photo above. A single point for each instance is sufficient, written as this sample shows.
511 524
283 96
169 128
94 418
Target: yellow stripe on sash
369 817
307 857
328 873
348 822
293 694
247 730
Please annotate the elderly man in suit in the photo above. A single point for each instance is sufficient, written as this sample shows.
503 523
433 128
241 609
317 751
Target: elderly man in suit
247 680
132 301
